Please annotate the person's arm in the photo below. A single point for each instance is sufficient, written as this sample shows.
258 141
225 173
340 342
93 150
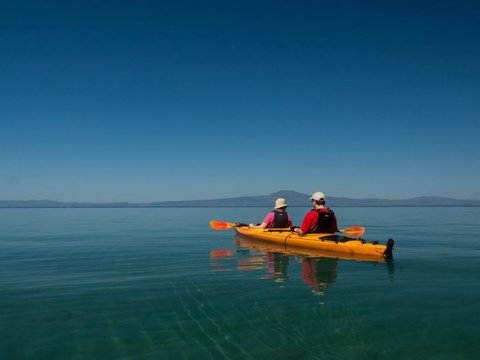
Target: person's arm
306 223
265 223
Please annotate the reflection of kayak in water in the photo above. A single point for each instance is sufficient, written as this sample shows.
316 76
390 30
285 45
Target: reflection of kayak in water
319 268
328 245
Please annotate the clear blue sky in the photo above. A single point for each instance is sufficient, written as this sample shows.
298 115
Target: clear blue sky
175 100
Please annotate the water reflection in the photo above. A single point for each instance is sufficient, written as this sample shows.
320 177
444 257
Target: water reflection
318 268
277 266
318 273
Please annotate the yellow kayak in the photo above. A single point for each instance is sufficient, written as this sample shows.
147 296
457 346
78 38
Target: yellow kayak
267 246
322 242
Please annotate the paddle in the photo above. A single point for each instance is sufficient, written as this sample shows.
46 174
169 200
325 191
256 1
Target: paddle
223 225
354 231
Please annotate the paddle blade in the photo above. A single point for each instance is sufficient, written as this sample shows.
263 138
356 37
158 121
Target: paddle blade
221 253
354 231
221 225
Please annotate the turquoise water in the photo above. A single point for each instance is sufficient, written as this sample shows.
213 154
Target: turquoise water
160 284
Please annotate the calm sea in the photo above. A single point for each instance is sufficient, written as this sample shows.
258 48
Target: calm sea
160 284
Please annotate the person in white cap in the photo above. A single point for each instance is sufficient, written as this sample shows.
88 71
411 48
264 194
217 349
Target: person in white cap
319 220
278 218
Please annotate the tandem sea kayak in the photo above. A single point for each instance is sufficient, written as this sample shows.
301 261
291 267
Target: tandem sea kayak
322 242
244 242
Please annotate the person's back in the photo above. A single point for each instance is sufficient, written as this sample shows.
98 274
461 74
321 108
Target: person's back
278 218
320 219
325 220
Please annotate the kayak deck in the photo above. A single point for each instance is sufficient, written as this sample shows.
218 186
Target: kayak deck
325 242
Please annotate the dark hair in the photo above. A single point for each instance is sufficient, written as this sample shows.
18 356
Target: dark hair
320 202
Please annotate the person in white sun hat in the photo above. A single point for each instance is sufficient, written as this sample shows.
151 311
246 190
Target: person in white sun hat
278 218
319 220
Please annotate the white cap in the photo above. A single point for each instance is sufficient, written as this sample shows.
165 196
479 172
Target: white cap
280 202
318 196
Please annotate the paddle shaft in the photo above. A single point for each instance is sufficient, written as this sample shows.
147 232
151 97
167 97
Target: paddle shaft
354 231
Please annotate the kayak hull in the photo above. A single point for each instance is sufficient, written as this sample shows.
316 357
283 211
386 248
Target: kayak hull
322 242
266 246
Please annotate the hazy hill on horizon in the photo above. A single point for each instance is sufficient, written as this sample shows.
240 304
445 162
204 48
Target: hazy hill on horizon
293 199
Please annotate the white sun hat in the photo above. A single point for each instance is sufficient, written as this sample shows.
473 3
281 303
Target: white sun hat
318 196
280 202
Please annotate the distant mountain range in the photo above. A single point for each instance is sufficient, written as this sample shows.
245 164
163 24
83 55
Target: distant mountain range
293 199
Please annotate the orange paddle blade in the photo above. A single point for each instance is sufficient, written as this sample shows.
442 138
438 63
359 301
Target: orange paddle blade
354 231
221 253
221 225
